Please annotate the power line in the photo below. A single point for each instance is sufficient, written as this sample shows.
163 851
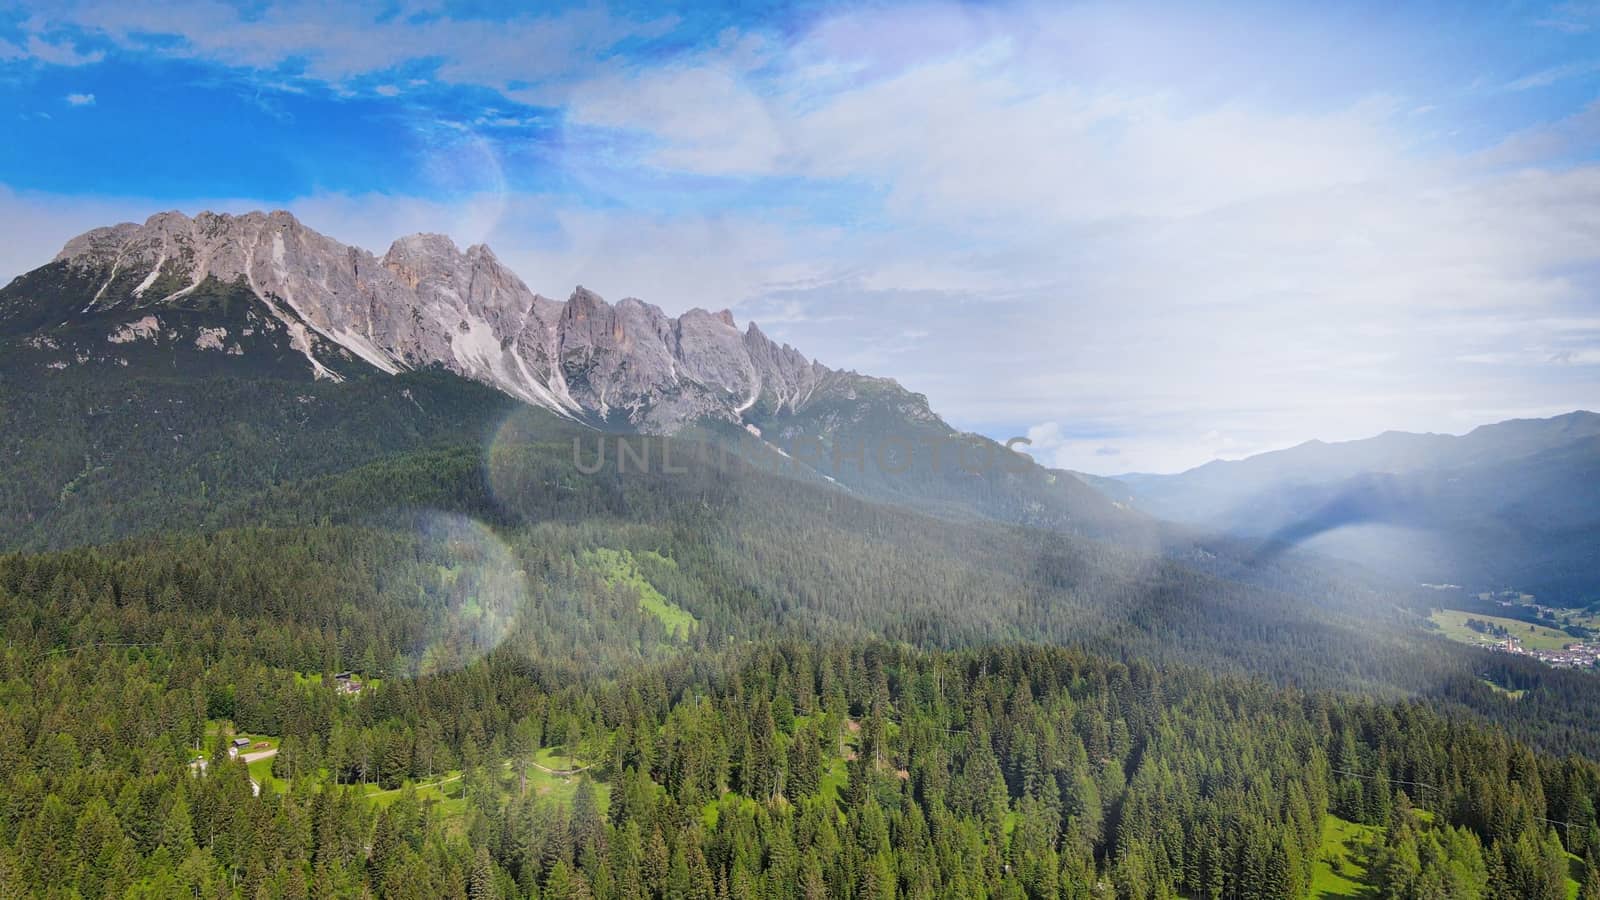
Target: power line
91 647
1375 778
1568 825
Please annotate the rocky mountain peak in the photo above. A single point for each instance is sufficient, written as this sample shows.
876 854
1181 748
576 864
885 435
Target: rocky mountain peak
99 243
426 302
585 304
422 245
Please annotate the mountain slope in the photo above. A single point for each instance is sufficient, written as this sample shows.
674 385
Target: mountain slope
1515 504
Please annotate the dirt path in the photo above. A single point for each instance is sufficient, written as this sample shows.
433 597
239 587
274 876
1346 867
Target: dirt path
199 765
560 773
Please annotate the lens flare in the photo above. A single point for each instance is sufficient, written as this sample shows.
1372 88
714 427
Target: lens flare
528 464
466 167
470 591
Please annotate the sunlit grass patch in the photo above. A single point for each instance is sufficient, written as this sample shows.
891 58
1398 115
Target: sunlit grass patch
1340 870
1453 625
619 567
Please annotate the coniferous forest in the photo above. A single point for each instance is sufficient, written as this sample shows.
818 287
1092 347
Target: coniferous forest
723 683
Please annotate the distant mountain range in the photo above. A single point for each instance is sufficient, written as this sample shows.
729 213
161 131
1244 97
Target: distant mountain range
1510 505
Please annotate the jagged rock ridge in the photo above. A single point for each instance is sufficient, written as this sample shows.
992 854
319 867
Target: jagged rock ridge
425 302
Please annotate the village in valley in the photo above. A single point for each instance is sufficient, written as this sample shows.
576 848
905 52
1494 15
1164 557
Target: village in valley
1558 637
1575 655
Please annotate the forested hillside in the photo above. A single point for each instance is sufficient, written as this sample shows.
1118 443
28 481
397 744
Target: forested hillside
764 553
783 770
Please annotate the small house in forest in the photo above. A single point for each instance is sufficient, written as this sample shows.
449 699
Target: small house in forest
347 683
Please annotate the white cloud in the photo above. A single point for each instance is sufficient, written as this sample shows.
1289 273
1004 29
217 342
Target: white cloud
724 129
1578 132
80 99
1046 437
59 53
1142 265
336 42
1055 447
1586 356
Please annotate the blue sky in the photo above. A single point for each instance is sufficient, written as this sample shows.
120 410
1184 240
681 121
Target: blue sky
1144 234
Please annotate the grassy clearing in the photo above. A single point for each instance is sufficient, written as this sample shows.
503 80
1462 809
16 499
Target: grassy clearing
556 758
261 773
1582 616
1453 625
1341 866
619 567
834 778
449 791
711 812
563 789
1008 822
1504 692
224 726
1340 872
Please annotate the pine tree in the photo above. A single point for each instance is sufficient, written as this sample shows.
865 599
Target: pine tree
812 884
759 771
481 883
805 764
587 826
177 829
1591 882
396 762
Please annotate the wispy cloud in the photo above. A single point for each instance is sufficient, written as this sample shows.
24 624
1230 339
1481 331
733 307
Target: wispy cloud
1135 252
1572 18
80 99
339 42
1555 74
59 52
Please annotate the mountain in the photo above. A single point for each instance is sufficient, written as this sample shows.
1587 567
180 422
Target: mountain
423 303
176 302
1510 505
